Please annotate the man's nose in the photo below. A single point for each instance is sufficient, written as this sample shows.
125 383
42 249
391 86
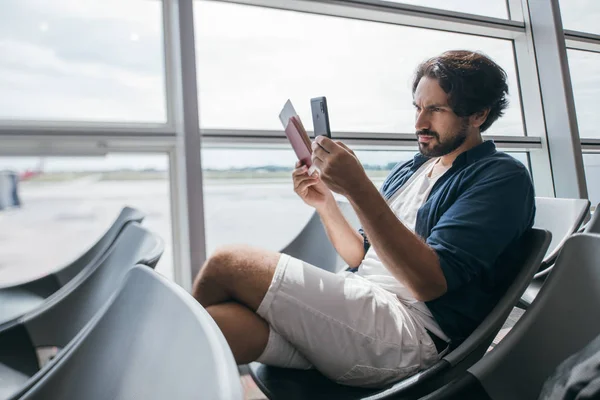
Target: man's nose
422 121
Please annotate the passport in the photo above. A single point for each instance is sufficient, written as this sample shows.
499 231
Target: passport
296 134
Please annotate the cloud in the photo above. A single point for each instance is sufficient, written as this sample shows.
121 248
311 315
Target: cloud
68 60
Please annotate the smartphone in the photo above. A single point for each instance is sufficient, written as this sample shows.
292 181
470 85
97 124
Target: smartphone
320 116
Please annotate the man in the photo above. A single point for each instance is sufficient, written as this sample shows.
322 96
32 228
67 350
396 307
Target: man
435 254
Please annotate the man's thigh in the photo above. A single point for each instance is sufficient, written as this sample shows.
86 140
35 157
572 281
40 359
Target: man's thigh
351 330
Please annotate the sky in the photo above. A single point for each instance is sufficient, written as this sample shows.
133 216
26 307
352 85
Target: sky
102 60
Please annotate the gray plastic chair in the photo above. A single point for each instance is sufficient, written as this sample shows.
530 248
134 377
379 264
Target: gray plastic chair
280 383
63 316
562 320
153 341
19 299
593 225
313 246
562 217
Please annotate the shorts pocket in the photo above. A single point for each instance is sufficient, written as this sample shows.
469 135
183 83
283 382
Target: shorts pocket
374 377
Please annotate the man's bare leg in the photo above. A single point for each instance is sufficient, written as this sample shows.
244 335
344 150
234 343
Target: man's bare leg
231 286
245 331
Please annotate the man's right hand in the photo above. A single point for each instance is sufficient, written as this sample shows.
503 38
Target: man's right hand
310 188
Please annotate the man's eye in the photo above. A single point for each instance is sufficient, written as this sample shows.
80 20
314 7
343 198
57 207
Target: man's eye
435 109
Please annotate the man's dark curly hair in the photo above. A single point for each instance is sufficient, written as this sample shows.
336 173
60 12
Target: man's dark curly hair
472 81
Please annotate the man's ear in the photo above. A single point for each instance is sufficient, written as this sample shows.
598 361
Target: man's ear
479 117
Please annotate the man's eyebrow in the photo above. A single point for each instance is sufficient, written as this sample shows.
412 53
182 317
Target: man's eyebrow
437 106
433 105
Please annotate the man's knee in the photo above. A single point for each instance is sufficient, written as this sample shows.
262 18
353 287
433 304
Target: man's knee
220 263
219 259
243 272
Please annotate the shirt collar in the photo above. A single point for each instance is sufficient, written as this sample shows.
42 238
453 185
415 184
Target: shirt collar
478 152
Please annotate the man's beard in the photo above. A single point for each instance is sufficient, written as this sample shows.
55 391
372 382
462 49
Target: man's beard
438 148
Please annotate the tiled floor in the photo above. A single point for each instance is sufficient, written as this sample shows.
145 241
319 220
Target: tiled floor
252 392
510 322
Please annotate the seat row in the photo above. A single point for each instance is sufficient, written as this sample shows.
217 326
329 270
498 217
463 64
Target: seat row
558 284
120 329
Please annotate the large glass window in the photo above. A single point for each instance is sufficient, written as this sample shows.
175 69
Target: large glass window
489 8
592 175
252 59
67 203
584 67
249 196
84 60
580 15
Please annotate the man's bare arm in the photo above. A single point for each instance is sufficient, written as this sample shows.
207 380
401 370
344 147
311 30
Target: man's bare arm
346 240
407 257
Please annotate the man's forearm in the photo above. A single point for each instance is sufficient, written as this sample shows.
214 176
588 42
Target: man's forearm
346 240
407 257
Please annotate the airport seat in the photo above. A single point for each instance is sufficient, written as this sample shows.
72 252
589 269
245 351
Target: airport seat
16 300
562 217
313 246
593 225
576 377
64 315
279 383
561 321
152 341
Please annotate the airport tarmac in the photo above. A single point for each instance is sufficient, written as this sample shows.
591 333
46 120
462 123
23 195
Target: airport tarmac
60 220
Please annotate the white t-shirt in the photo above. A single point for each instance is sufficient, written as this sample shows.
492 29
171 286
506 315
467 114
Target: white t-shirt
405 203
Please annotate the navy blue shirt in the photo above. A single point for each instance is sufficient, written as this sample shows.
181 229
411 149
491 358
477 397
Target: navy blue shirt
474 219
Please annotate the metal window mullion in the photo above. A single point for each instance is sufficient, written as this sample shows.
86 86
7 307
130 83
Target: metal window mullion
274 133
590 145
241 138
556 91
398 14
582 41
515 10
170 65
83 129
425 10
187 189
583 46
531 102
66 145
181 252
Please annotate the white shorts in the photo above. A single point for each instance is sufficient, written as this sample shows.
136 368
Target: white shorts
351 330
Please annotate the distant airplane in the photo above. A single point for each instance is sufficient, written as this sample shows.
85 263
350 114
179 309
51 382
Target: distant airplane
38 170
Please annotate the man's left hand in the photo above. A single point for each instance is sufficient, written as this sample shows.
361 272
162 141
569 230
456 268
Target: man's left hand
340 169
